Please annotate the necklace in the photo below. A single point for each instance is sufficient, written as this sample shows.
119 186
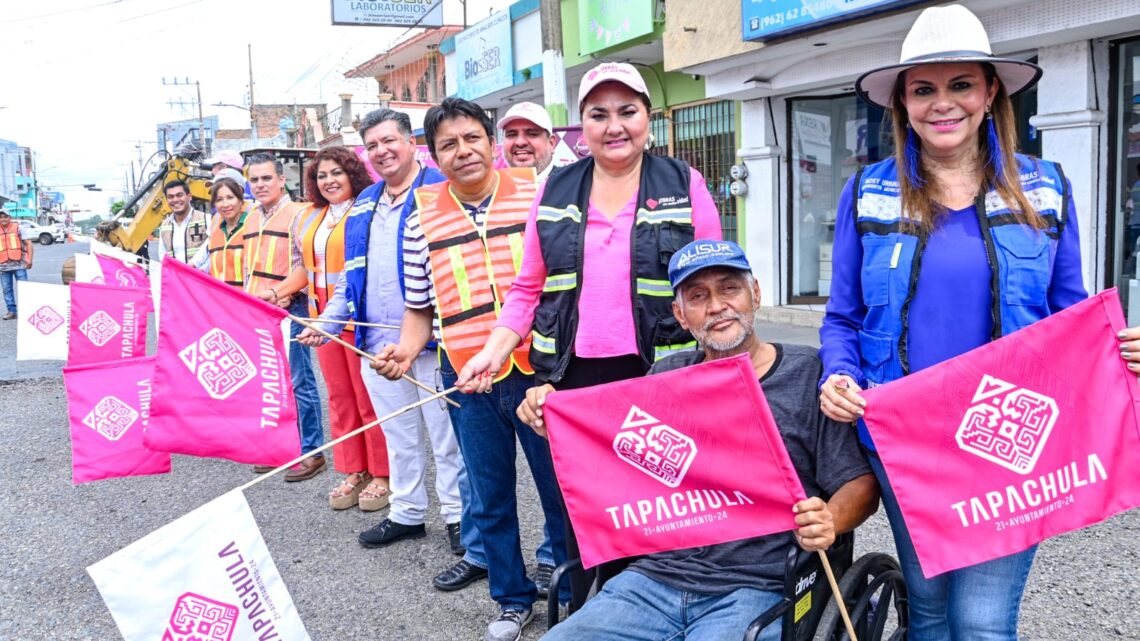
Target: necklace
392 197
337 211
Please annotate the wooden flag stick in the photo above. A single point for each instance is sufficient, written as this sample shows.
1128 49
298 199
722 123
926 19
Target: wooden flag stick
359 323
354 348
351 434
838 597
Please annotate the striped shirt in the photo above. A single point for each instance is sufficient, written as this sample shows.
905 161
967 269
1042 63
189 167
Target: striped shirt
418 291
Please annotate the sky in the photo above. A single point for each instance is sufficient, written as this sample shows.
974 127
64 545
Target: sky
82 80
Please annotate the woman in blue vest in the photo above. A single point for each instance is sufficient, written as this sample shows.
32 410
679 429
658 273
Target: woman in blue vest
952 243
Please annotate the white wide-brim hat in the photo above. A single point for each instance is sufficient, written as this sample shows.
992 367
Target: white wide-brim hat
945 35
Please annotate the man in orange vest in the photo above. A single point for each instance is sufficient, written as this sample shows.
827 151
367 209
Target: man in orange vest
461 252
15 260
268 258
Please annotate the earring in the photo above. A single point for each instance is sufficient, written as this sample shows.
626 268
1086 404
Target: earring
995 158
912 158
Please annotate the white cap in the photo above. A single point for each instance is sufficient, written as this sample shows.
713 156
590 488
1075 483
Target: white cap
621 72
528 111
227 173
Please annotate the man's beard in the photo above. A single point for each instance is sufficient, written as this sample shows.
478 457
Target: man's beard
706 340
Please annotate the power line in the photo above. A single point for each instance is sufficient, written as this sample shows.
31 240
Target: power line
60 13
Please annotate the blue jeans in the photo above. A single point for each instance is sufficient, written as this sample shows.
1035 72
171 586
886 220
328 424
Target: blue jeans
304 384
975 603
486 427
634 607
8 281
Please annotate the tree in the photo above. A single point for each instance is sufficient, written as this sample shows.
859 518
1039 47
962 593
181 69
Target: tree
116 207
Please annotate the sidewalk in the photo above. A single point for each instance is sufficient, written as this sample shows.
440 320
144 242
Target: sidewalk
782 333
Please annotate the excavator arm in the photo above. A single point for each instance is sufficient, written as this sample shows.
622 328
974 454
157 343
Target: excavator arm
132 233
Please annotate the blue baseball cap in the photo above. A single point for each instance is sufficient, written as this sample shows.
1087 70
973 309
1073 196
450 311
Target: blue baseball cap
701 254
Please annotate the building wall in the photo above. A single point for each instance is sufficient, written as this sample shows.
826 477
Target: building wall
697 32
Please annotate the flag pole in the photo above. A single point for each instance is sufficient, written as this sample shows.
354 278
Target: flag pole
337 339
359 323
386 417
838 597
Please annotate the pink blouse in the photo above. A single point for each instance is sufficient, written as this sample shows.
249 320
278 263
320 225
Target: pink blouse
605 305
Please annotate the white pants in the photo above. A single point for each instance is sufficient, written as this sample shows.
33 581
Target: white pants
406 447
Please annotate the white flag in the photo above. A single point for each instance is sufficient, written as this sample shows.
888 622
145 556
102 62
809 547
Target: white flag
87 269
42 321
207 575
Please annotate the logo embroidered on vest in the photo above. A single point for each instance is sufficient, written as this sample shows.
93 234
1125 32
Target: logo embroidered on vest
1007 425
111 418
220 364
46 319
654 448
99 328
198 617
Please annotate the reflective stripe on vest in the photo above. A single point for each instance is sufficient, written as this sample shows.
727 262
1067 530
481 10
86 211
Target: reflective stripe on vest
1021 259
473 269
334 263
226 254
11 245
269 246
192 242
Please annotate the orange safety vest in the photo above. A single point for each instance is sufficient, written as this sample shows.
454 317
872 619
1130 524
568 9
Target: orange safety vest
311 221
472 269
268 247
226 254
11 245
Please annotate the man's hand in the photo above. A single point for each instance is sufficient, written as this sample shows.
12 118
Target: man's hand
28 265
392 362
310 338
840 400
530 410
816 529
267 295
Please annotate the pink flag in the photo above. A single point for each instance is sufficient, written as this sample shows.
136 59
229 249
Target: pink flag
646 465
117 272
1019 440
108 323
108 405
221 383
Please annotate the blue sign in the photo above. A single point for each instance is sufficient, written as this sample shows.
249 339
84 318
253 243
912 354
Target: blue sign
483 60
764 19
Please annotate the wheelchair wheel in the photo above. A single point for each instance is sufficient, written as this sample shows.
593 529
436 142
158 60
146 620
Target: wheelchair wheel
873 588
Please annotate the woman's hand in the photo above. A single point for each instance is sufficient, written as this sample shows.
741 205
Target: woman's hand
1130 348
530 410
479 371
840 400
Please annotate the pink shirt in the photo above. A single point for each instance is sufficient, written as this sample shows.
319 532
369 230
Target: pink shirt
605 306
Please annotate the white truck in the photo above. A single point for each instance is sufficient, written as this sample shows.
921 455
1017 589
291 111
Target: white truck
43 234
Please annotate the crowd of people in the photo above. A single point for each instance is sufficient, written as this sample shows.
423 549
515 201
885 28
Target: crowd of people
514 283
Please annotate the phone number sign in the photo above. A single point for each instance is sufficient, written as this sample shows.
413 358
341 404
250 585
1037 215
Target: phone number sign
764 19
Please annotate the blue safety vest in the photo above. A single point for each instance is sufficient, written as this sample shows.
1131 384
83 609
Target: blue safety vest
1020 258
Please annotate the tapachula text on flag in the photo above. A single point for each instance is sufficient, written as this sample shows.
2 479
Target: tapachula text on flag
1029 494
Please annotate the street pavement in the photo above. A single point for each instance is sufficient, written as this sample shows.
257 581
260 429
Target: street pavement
1083 585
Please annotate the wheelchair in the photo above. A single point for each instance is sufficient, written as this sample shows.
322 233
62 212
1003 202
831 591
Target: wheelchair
872 587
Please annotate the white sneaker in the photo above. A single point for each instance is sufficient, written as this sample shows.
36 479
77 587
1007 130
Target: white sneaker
509 625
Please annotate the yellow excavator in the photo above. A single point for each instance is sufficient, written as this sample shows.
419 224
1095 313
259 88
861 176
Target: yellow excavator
150 206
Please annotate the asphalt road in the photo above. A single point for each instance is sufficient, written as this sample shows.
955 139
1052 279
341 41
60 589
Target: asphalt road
1083 586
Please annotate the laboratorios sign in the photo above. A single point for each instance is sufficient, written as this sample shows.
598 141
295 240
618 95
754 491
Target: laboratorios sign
483 62
388 13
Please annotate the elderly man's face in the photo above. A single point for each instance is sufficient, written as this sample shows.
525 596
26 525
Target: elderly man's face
718 305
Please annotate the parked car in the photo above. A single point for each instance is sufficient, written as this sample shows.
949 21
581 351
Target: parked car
43 234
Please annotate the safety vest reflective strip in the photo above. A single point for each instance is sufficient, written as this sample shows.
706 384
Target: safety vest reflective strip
661 351
197 219
651 287
473 269
681 216
268 258
225 255
553 214
11 246
560 282
542 343
311 222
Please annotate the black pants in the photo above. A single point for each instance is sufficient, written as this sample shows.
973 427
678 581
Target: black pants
586 372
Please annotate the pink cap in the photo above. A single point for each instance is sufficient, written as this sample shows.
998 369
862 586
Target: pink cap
621 72
231 158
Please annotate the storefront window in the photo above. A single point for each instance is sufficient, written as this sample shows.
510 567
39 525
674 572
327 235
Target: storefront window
832 138
1125 196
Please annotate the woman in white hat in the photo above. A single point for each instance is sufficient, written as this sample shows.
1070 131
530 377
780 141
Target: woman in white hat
594 283
955 241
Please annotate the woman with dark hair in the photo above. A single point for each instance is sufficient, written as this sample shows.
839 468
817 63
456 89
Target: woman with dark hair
222 257
954 242
333 179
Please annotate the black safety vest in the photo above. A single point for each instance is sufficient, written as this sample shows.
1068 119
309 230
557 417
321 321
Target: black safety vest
663 225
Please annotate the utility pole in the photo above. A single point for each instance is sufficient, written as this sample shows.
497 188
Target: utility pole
553 67
201 122
252 118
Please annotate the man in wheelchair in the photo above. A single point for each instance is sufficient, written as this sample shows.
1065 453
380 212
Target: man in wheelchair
715 592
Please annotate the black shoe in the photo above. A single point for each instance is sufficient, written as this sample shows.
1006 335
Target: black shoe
453 538
389 531
542 576
458 576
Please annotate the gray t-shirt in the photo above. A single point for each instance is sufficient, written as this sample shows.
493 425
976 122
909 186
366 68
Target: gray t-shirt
826 455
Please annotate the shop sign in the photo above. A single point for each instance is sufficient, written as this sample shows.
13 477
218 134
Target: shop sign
388 13
483 57
764 19
605 23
